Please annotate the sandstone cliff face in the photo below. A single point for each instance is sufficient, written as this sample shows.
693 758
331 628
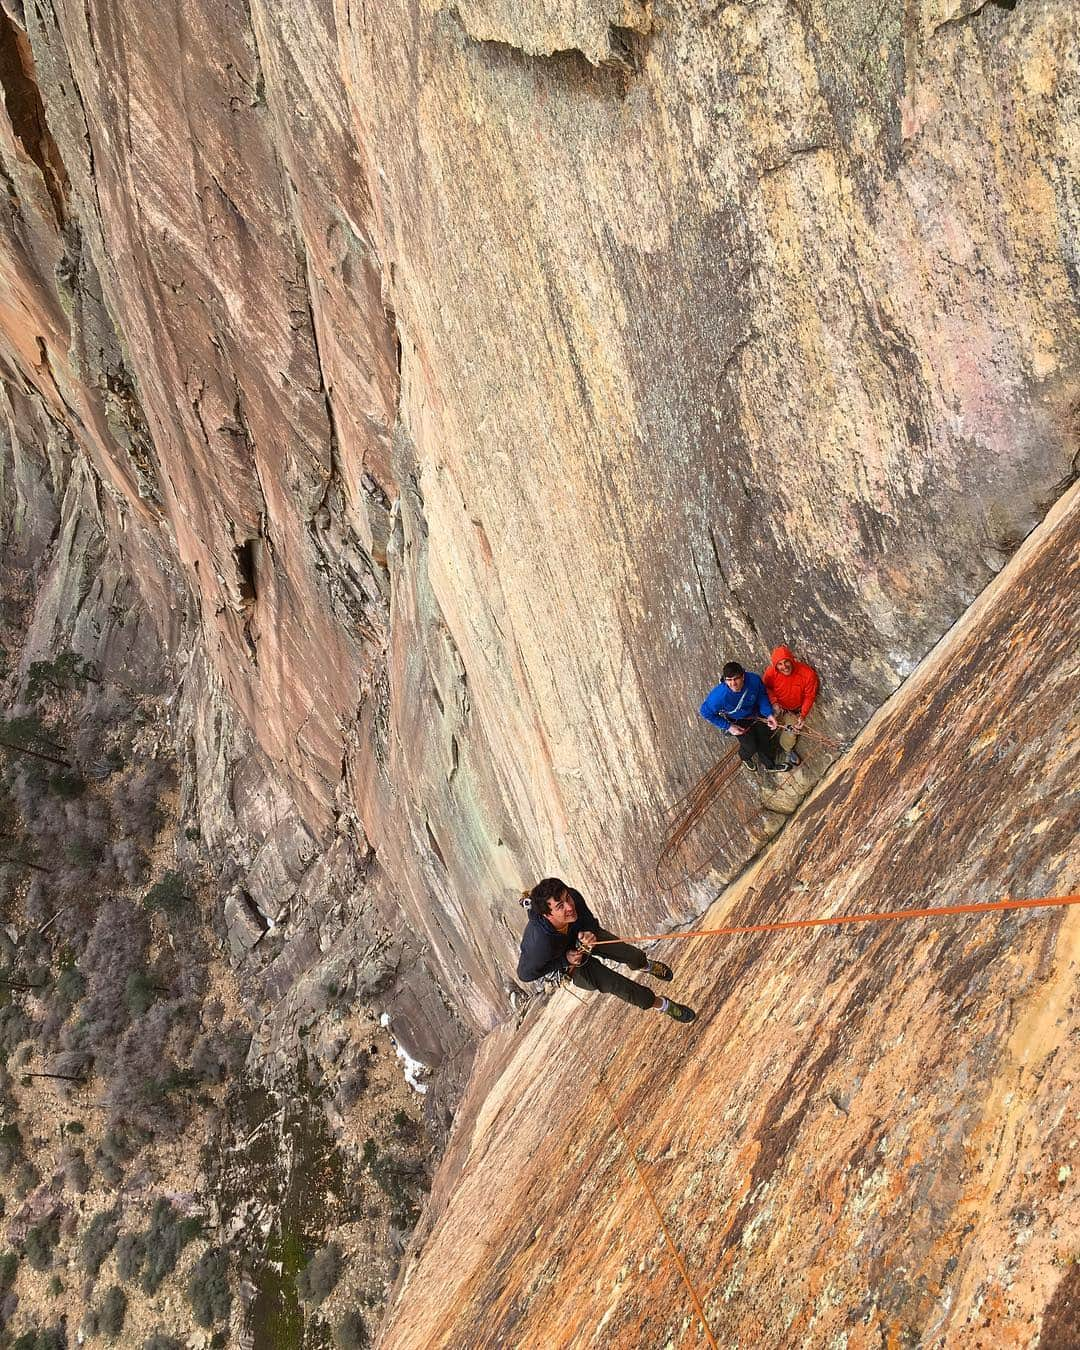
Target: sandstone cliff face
868 1138
477 378
458 385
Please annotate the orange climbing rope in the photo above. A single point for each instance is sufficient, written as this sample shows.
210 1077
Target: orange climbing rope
881 916
646 1187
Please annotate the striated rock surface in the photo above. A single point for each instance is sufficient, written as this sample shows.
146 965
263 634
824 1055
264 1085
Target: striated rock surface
469 381
440 393
869 1136
725 350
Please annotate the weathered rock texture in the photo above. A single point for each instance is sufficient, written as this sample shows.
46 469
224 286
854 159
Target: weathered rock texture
459 384
466 382
869 1137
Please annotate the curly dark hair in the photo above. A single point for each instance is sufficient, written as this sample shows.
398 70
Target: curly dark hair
546 891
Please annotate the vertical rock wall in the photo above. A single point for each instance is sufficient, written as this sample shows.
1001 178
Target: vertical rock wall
482 376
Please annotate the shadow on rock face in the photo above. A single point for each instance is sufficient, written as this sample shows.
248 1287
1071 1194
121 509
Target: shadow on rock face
1061 1320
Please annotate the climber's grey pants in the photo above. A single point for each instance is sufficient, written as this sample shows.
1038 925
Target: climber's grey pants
595 976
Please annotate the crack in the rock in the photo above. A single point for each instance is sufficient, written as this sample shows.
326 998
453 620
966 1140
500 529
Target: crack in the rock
957 19
26 112
701 588
795 153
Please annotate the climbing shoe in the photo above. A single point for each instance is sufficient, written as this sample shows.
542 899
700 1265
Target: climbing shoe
658 970
679 1011
777 768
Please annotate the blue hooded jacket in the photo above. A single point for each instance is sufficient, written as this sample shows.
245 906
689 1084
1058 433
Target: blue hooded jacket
723 705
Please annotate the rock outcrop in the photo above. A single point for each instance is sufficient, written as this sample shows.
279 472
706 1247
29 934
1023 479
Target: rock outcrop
868 1137
440 392
462 383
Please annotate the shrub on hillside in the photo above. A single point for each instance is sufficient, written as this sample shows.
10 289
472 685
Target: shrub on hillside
320 1275
130 861
67 784
169 895
26 1178
112 1172
166 1238
68 987
74 1066
352 1086
40 1242
137 801
51 1339
112 1312
118 1147
117 946
86 850
140 992
76 1171
149 1088
15 1028
9 1268
67 670
11 1146
99 1240
351 1333
208 1288
159 1341
130 1254
220 1054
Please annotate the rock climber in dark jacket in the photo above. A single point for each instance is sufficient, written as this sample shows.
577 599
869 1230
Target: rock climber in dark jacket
740 706
559 938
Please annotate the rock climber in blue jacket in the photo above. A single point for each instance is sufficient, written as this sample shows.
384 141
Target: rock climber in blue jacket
740 707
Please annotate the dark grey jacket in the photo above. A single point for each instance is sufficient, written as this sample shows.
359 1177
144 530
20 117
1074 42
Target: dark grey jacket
544 948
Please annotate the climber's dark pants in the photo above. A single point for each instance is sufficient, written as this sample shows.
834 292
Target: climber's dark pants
757 739
594 975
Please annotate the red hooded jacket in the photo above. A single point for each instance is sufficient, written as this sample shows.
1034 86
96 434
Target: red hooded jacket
795 692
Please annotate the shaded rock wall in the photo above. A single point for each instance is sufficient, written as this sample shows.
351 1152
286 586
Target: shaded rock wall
869 1135
473 381
719 350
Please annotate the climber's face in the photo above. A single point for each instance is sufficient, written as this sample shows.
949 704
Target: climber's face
563 910
785 667
735 683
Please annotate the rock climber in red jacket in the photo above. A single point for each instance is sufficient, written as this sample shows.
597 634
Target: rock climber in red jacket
791 685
